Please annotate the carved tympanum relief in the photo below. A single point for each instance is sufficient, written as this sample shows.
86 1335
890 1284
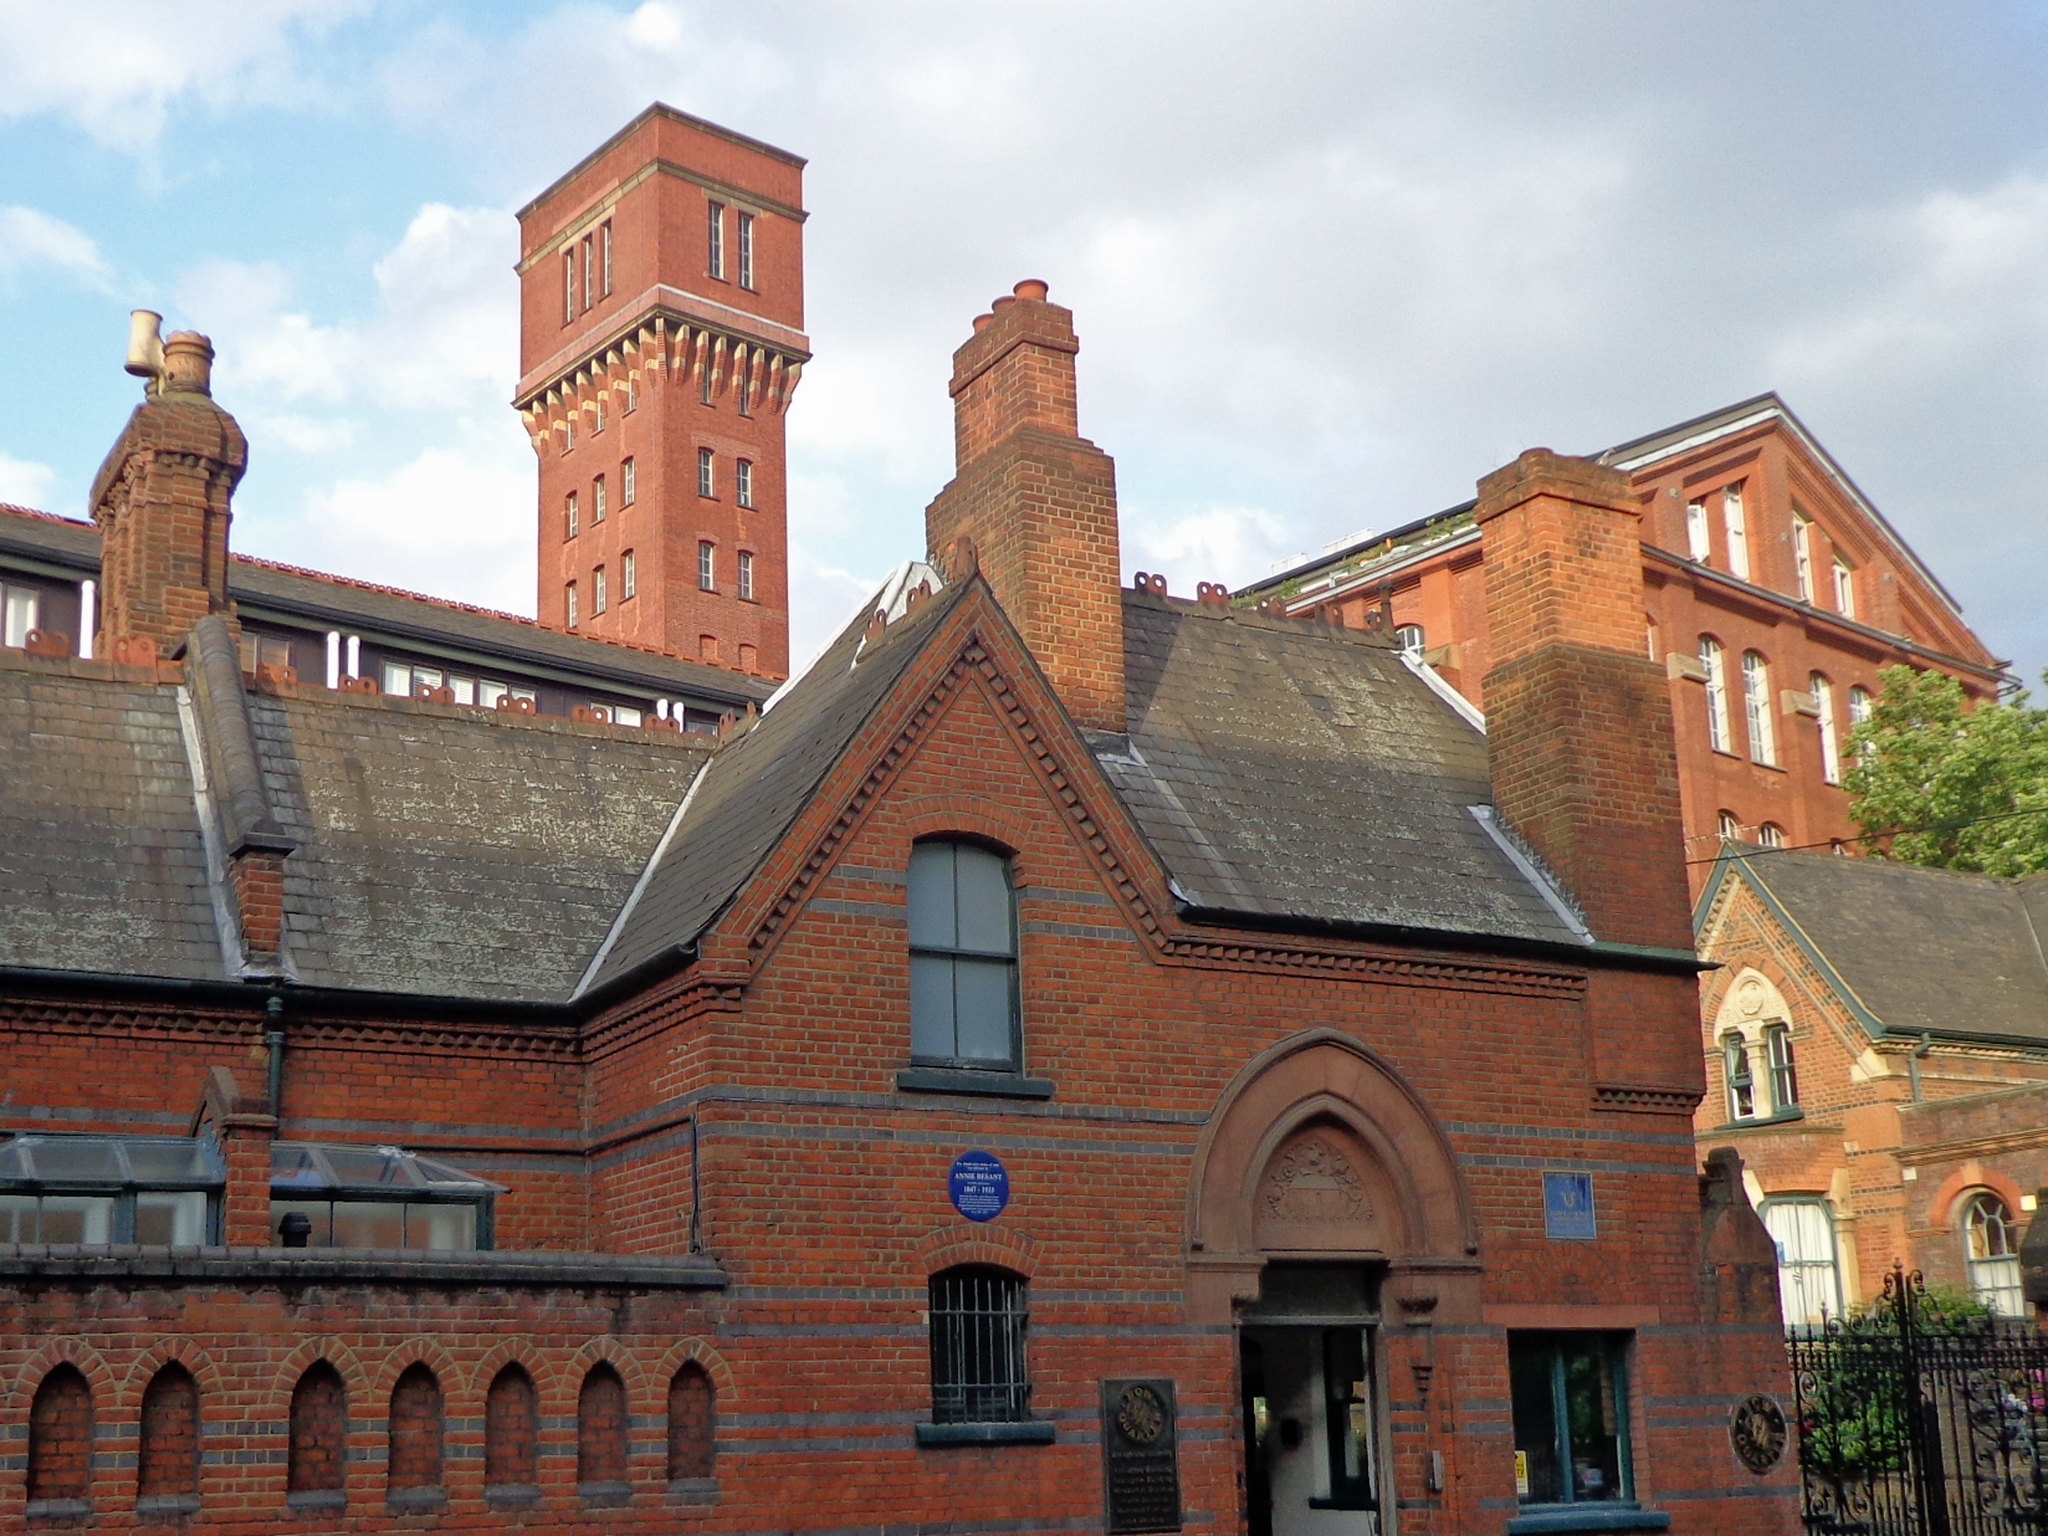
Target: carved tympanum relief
1321 1189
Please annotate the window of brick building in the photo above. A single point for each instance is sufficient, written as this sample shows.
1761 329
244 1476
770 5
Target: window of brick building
599 500
704 382
413 1459
599 598
1728 824
569 433
569 605
1784 1071
963 957
73 1188
167 1457
1735 527
707 473
632 393
316 1459
714 238
588 271
1713 662
1737 1071
601 1435
707 566
978 1322
627 489
571 515
692 1424
1824 718
743 386
597 413
743 482
20 610
750 658
60 1442
375 1197
568 286
1802 558
511 1420
604 258
628 576
743 579
1756 709
1770 835
1845 590
1809 1277
1698 542
746 251
1569 1396
1859 706
1410 638
1991 1252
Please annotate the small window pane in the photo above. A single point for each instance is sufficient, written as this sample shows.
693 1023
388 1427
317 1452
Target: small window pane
931 896
397 680
77 1162
369 1224
931 1007
166 1162
362 1167
77 1219
17 1218
440 1226
981 992
170 1217
983 887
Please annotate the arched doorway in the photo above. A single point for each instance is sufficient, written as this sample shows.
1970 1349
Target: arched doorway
1324 1193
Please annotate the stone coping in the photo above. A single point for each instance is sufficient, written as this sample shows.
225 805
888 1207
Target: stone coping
160 1265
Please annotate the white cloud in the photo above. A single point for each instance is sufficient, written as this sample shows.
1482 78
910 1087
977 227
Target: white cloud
32 238
115 67
1232 545
26 484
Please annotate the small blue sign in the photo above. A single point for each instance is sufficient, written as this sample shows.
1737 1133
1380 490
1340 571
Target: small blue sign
979 1185
1568 1206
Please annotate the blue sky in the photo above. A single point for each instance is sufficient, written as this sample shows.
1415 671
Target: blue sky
1329 263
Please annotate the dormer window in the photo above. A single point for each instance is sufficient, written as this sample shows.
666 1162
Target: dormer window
1409 638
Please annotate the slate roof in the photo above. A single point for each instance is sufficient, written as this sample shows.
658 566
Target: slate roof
1288 770
1919 949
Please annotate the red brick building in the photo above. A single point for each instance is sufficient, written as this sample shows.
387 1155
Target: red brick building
1075 1058
660 339
1773 593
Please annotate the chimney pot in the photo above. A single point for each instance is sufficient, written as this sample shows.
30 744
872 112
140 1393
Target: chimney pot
1003 303
982 323
188 363
1031 288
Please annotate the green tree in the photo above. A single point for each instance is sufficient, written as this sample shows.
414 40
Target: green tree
1923 760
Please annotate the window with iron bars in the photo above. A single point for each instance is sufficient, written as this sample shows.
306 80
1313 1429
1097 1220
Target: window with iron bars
978 1318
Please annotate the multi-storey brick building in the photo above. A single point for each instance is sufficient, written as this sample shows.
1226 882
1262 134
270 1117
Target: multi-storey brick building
1773 593
1876 1041
660 339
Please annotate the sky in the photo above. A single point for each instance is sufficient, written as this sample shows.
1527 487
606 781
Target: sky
1330 263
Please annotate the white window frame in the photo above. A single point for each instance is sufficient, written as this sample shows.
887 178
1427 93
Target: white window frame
1781 1066
1860 705
1699 544
707 473
571 512
597 500
1735 527
1809 1257
1991 1252
627 489
1738 1076
21 610
1714 662
743 482
569 596
746 249
1845 589
569 286
1411 640
715 239
628 575
1770 835
1802 557
707 565
1756 709
599 595
1830 738
604 241
589 274
744 576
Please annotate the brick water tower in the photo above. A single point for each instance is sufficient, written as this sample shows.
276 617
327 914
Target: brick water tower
661 336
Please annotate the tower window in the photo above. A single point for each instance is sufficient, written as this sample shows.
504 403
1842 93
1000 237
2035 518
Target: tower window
628 581
746 233
707 476
569 433
1737 529
1697 542
569 514
1756 706
743 482
715 236
707 566
1802 558
745 577
743 385
1770 835
626 489
1714 664
1409 638
1845 590
569 603
598 600
604 257
568 286
588 271
597 414
632 394
597 500
1830 743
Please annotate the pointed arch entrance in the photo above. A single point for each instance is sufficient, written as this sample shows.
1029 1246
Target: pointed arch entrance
1322 1190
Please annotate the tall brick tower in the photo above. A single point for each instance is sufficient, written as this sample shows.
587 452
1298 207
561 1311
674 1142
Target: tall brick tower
661 336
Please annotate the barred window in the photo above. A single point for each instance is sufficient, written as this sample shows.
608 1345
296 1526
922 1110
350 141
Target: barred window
978 1319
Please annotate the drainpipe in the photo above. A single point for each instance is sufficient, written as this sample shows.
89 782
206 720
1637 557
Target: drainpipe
1920 1053
696 1234
274 1040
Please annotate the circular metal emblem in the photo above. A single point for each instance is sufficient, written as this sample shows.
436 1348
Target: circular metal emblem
1140 1415
1756 1429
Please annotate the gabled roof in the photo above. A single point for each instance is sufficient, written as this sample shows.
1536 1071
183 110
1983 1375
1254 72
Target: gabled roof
1912 951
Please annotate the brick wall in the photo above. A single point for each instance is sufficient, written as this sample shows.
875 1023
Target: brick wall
168 1461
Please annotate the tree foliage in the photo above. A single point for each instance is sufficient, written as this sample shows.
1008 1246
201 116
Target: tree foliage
1924 760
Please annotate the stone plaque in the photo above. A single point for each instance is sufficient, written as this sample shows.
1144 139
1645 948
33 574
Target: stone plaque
1756 1430
1140 1462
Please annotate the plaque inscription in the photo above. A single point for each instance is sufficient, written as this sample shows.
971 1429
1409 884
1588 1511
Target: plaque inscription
1140 1462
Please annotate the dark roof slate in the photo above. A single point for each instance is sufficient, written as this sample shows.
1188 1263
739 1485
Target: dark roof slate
1921 949
1288 770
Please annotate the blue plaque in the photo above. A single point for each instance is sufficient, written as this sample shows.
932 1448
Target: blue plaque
1568 1206
979 1185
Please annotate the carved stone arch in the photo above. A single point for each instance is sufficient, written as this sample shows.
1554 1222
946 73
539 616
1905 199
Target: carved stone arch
1319 1147
1749 1001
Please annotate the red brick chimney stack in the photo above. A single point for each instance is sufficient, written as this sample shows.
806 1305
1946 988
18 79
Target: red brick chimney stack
1038 500
1578 718
161 500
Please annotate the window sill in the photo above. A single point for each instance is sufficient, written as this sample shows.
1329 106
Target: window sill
993 1085
1588 1517
1019 1432
414 1500
166 1506
604 1495
693 1490
317 1498
1782 1117
58 1509
512 1495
